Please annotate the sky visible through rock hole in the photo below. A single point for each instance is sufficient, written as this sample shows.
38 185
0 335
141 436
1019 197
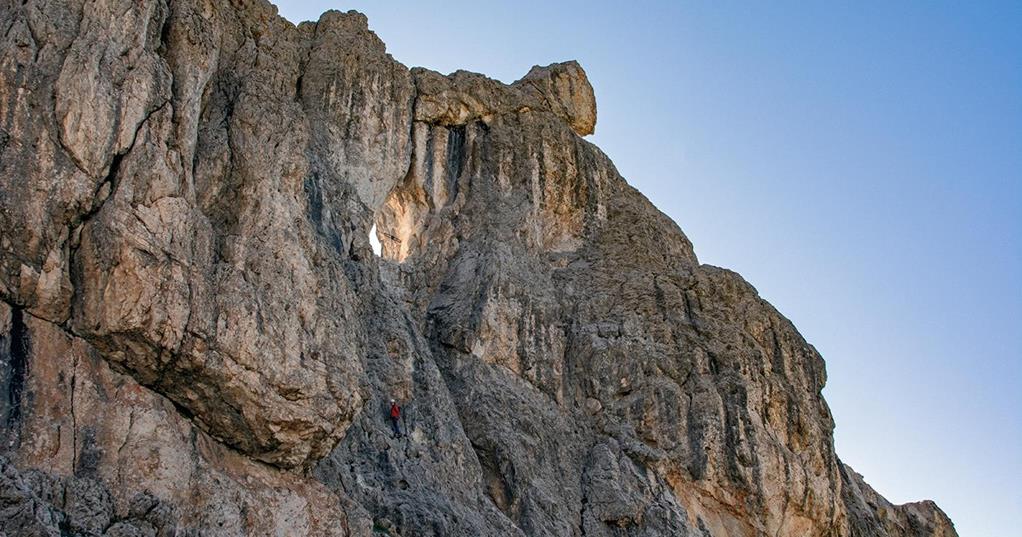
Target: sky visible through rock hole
861 165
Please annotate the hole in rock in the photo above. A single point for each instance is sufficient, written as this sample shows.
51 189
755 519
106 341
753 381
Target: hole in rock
411 214
374 241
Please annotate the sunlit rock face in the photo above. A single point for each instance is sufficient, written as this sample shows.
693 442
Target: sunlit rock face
196 338
227 161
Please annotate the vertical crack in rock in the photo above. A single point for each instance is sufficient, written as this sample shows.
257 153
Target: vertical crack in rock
455 158
72 397
16 360
107 188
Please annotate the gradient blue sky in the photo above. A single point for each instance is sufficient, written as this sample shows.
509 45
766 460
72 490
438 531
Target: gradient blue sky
860 164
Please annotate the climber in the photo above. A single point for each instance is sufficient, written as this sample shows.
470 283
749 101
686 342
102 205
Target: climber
395 415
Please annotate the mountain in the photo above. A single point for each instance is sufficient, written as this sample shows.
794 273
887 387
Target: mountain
197 339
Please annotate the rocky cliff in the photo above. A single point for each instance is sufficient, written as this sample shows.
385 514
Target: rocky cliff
196 338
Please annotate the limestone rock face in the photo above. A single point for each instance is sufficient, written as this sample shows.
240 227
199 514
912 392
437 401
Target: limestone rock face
226 161
196 338
107 456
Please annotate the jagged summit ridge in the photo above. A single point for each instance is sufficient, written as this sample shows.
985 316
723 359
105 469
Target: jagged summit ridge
196 337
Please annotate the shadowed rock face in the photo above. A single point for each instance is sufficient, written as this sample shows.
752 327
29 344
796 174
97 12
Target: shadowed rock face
192 318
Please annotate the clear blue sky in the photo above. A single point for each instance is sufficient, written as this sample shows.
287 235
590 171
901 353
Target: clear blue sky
860 164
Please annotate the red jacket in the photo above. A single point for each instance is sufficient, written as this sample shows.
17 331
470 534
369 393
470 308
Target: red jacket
395 411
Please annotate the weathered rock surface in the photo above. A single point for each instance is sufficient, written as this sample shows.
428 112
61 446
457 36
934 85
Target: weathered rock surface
463 97
227 160
113 453
196 339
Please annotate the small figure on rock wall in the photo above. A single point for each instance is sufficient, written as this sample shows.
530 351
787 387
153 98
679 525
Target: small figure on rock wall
395 416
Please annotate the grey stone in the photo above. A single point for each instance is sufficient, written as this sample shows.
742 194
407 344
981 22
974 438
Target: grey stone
155 512
196 338
131 529
87 505
21 512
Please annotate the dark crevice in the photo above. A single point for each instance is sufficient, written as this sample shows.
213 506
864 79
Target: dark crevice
689 311
713 363
319 212
582 513
778 355
455 157
108 182
165 34
74 416
428 154
18 363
